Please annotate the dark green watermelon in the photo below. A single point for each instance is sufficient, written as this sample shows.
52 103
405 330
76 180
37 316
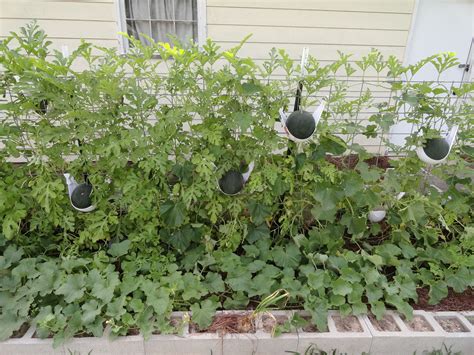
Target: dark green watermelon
301 124
172 178
42 107
80 197
231 182
436 148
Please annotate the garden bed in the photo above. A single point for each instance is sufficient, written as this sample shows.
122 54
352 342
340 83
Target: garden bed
230 333
145 229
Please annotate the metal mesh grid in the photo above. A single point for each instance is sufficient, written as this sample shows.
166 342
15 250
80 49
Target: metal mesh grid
381 92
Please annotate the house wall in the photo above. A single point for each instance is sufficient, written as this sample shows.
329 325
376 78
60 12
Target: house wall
65 22
325 26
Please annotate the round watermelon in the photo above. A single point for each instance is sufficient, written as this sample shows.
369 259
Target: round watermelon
436 148
301 124
80 197
172 179
42 107
231 182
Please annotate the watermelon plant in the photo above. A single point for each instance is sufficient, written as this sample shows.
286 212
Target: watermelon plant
156 137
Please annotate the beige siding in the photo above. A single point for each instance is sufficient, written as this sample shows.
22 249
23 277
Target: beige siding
390 6
65 22
325 26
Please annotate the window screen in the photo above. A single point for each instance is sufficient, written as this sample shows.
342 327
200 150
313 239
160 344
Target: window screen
160 18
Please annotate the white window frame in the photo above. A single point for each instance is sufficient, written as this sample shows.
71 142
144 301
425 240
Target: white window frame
122 24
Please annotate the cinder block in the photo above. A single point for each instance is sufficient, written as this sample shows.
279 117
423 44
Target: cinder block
463 340
27 345
369 340
202 343
168 344
343 342
469 316
268 345
405 341
86 345
126 345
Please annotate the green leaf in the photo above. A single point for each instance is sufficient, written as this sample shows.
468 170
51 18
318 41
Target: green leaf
256 266
402 306
337 300
415 211
378 309
10 322
350 275
202 313
372 276
359 308
159 299
280 186
72 288
259 212
374 259
270 271
240 283
173 213
287 257
250 88
256 233
458 280
116 308
193 288
260 285
373 293
327 197
103 288
318 308
316 280
353 184
330 144
214 282
91 310
137 305
119 249
11 255
357 225
368 174
438 291
181 239
238 301
243 120
251 251
341 287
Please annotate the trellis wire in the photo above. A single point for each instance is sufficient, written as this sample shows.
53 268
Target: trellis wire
374 145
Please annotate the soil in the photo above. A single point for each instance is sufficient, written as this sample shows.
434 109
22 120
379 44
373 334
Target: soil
453 302
470 319
20 332
418 324
350 161
310 328
270 321
451 324
84 335
133 331
386 324
228 323
347 324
